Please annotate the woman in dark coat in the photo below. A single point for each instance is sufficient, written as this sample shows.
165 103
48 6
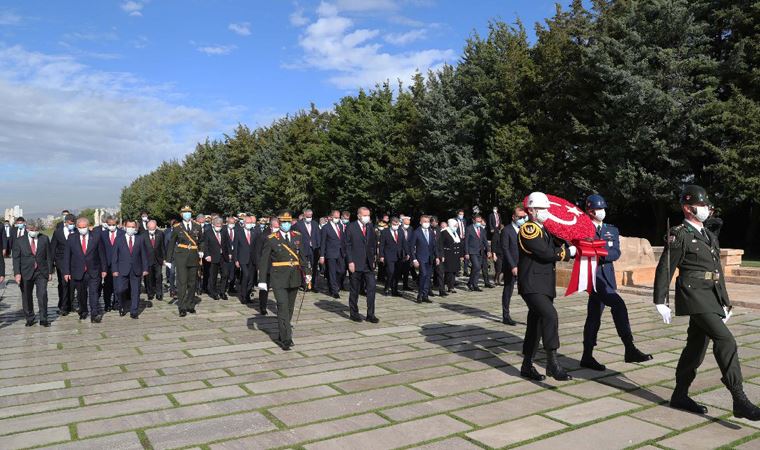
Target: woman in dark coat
451 249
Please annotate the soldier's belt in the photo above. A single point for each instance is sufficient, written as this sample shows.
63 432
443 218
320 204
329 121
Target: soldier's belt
703 275
189 247
286 264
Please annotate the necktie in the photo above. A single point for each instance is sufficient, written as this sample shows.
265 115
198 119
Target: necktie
704 234
395 236
364 231
248 236
153 240
130 245
231 235
113 237
218 238
34 251
287 237
337 230
496 216
599 231
84 244
477 231
425 232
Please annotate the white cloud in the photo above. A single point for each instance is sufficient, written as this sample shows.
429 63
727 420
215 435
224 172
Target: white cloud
298 17
133 8
74 135
216 49
8 17
405 38
333 43
366 5
242 29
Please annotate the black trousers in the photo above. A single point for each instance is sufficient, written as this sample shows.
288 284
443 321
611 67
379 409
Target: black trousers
497 267
108 291
204 279
154 286
336 274
477 265
702 329
450 278
264 295
65 291
128 289
392 273
506 294
357 278
218 270
286 303
543 323
596 303
248 271
87 292
37 283
232 273
407 269
439 278
314 267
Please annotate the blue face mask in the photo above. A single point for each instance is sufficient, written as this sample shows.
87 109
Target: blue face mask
285 226
70 226
20 226
344 221
521 221
187 216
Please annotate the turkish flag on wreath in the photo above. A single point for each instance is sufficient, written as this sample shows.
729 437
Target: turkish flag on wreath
568 222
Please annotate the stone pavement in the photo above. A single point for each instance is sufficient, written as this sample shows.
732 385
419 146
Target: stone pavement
432 376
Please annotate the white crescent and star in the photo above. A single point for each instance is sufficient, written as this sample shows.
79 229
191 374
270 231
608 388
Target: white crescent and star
572 209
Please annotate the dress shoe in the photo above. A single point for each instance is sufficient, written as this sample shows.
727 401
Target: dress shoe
160 298
554 369
182 313
356 318
372 319
405 288
150 297
64 313
82 316
96 319
191 310
386 292
743 408
443 294
634 355
108 309
215 297
264 311
134 316
530 372
336 296
426 300
29 323
44 323
432 294
148 304
508 321
396 294
589 362
490 286
452 291
284 345
224 297
477 289
681 400
122 313
418 300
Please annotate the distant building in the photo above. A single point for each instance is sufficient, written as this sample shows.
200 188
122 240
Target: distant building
12 213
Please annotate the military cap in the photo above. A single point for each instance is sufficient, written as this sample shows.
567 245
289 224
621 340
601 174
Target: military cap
285 216
186 209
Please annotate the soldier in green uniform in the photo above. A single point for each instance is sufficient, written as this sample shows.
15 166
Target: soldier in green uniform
286 262
185 248
700 294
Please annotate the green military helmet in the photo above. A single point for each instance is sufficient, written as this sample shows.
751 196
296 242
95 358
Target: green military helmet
693 194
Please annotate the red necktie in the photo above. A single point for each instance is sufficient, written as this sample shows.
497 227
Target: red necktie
477 231
395 235
153 240
84 244
34 251
248 236
113 237
337 230
364 231
130 245
231 235
218 238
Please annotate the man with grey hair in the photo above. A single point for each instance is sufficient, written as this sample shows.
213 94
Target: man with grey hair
218 252
33 266
361 251
84 265
109 235
154 243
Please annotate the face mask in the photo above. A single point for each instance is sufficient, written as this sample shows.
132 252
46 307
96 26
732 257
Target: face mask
460 216
130 231
249 226
394 227
702 213
365 220
285 226
426 225
307 220
111 227
262 226
70 226
600 214
83 231
145 218
34 233
344 221
521 221
495 210
542 215
406 226
20 226
217 229
230 225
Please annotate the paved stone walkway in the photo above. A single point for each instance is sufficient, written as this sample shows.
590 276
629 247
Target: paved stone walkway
432 376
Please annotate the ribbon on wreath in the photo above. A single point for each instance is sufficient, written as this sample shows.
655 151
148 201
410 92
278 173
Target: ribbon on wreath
583 276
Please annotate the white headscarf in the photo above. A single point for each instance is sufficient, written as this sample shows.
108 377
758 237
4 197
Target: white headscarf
452 230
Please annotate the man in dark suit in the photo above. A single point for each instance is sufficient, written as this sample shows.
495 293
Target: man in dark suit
217 254
406 265
33 268
129 265
143 224
154 246
110 301
84 263
494 219
477 251
58 244
510 254
5 239
246 243
19 231
361 248
231 229
167 262
392 255
424 257
333 256
310 232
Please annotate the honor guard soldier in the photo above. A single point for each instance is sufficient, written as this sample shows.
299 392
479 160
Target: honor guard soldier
283 256
539 253
185 249
605 292
700 293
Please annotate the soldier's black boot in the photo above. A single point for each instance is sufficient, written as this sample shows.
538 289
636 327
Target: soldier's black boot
633 354
743 408
681 400
528 371
553 367
589 362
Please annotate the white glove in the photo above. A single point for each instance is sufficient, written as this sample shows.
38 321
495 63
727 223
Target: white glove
308 279
263 286
572 250
664 312
728 314
168 265
200 254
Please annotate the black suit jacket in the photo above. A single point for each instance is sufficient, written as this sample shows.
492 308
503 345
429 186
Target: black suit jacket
245 252
509 248
58 244
474 245
12 239
492 225
155 255
332 245
539 253
24 261
391 250
75 262
360 249
220 250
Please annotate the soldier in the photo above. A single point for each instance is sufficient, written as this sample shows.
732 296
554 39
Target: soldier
185 249
539 252
700 294
605 292
283 258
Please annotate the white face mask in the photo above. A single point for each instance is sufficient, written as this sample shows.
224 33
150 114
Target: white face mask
406 226
131 231
230 225
249 226
702 213
33 234
336 221
426 225
394 227
307 220
542 215
83 231
365 220
217 229
111 227
600 214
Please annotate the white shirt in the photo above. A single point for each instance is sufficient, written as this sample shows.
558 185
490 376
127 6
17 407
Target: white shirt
187 225
517 229
285 235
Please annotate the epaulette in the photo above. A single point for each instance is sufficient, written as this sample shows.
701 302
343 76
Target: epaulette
273 235
295 232
675 236
530 230
176 225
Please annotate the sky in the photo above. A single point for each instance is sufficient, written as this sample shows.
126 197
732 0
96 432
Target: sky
96 93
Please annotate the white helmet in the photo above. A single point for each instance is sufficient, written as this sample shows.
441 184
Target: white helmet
538 200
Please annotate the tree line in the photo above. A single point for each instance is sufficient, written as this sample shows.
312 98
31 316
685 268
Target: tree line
631 99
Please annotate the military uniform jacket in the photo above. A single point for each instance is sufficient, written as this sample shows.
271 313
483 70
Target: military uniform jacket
539 253
184 245
700 286
284 261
